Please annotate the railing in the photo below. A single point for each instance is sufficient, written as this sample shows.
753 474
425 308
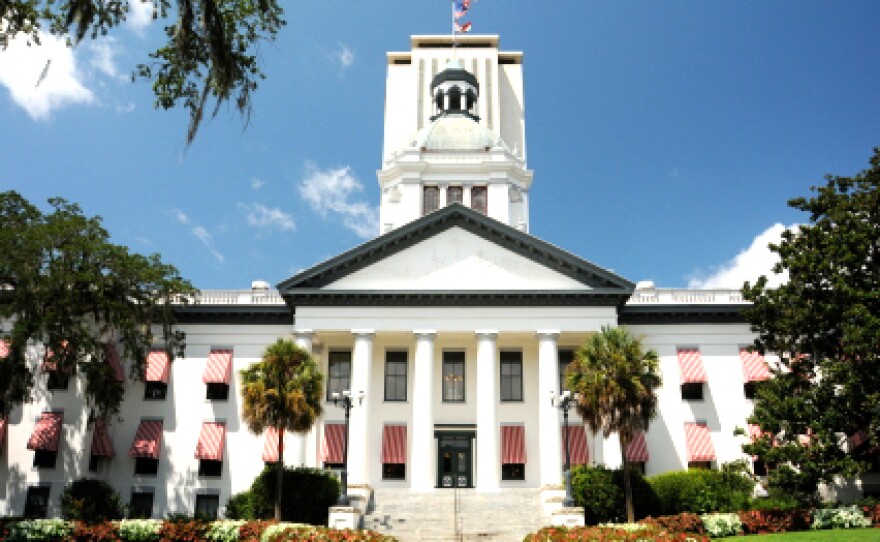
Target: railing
667 296
238 297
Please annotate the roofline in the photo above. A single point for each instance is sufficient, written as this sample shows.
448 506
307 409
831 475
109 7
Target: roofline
460 298
238 314
683 314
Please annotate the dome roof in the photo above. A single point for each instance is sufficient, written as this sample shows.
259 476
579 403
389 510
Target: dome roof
455 133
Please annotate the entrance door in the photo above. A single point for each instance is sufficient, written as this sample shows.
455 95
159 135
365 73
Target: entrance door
454 464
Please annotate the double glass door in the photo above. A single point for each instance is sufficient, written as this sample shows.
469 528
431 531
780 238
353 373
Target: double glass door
454 464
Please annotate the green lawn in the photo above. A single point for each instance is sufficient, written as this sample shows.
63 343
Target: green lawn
836 535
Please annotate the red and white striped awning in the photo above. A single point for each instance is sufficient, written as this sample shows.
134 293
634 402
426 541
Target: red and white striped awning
270 446
754 367
691 363
3 423
4 348
394 444
47 432
334 441
699 442
147 440
112 356
513 444
754 431
211 439
157 366
102 446
219 367
637 451
579 453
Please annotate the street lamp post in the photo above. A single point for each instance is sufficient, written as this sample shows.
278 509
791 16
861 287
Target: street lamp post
347 402
564 402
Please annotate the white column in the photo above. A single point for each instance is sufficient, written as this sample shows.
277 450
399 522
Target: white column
548 416
309 440
423 460
488 455
359 446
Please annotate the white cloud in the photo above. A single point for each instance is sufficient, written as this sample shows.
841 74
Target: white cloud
42 78
748 265
125 109
332 191
103 51
180 216
262 217
207 240
257 184
345 56
140 15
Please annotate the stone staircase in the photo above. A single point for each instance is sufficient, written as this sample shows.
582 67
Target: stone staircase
455 515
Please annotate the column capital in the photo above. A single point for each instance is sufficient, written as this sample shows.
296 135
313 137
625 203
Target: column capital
363 333
486 333
306 333
548 333
425 333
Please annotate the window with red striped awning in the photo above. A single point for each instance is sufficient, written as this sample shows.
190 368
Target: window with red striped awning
334 441
112 356
219 367
691 363
754 367
157 366
102 445
270 446
47 432
579 453
394 444
513 444
4 348
637 451
699 442
211 440
3 423
147 440
49 361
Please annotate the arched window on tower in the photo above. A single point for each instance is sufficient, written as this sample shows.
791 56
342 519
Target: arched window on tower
455 99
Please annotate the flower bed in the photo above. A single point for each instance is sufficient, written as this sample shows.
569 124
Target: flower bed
611 534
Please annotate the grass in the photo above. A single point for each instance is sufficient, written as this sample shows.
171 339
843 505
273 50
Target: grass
835 535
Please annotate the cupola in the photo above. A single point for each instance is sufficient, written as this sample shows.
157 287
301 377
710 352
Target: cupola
455 91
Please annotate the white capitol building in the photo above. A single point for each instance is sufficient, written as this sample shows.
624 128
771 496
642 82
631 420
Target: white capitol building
454 324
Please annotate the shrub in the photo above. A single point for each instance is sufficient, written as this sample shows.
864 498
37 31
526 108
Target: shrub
721 525
678 523
90 500
279 531
701 491
602 534
224 530
774 521
600 491
182 530
107 531
49 530
776 501
251 531
308 496
140 530
847 517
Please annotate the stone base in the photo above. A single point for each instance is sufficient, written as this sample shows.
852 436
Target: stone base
344 517
568 517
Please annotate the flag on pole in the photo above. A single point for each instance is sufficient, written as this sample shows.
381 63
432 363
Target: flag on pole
466 27
461 8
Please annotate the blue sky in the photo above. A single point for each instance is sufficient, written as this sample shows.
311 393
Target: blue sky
666 137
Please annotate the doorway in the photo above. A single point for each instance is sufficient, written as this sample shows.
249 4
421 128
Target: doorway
455 460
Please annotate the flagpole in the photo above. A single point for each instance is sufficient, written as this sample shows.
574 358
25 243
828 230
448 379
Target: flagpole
454 37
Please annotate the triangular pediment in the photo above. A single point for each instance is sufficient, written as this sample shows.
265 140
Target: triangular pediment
455 250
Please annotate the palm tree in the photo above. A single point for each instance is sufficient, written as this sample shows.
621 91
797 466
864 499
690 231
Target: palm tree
283 391
616 382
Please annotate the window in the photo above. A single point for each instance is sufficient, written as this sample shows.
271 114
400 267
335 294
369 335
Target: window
511 376
94 462
36 504
759 467
513 471
393 471
453 377
692 391
58 380
705 465
141 505
217 392
45 459
210 467
637 466
207 507
479 199
395 376
750 389
430 199
155 391
565 359
146 465
338 373
454 194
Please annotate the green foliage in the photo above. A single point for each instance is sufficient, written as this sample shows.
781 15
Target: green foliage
824 322
721 525
211 50
70 289
140 530
307 496
224 530
701 491
277 531
611 533
90 500
847 517
777 500
49 530
600 491
615 381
